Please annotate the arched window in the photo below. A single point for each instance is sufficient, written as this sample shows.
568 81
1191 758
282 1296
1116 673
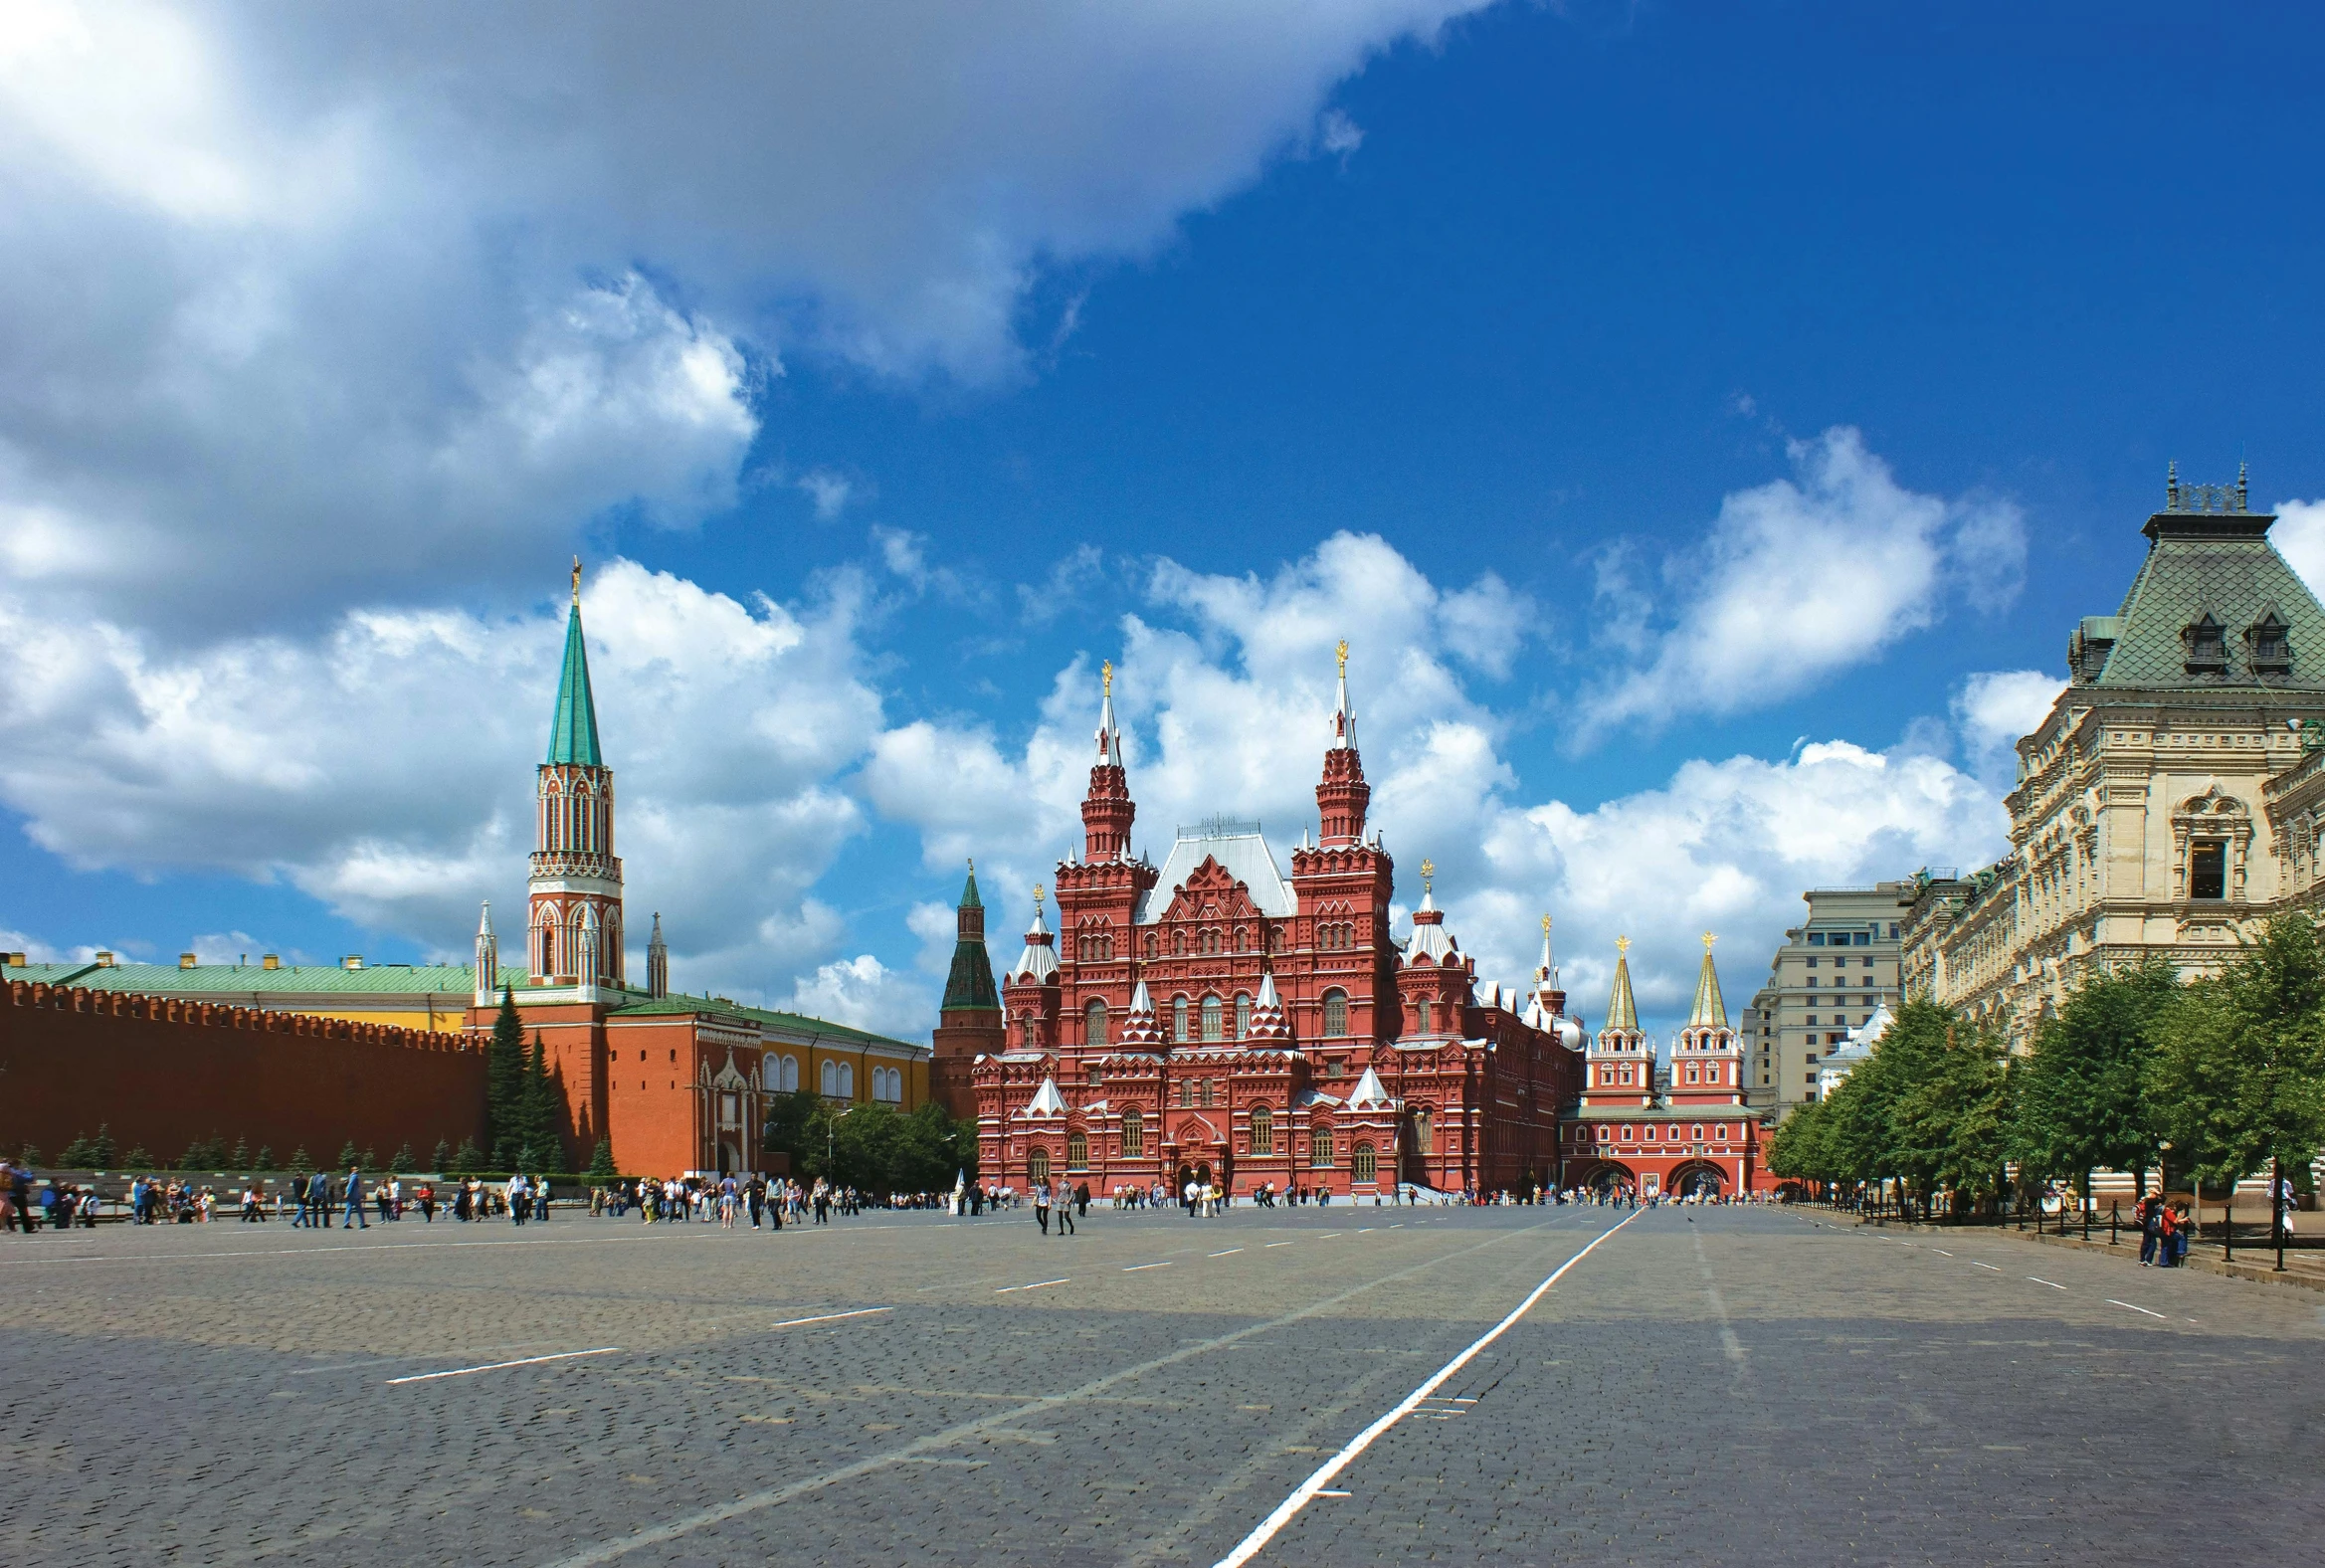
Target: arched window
1076 1151
1425 1129
1243 1015
1699 1132
1038 1165
1093 1024
1336 1011
1178 945
1674 1133
1179 1020
1427 1017
1150 944
1262 1130
1361 1164
1133 1135
1243 939
831 1079
771 1075
1721 1133
1214 1018
846 1080
1321 1147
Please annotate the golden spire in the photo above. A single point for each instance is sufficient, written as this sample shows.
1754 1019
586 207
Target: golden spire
1428 869
1622 1007
1622 946
1106 676
1711 1009
1545 927
1709 939
577 579
1343 652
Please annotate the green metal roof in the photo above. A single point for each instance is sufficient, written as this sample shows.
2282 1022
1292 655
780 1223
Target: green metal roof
244 979
969 899
573 729
2219 564
644 1006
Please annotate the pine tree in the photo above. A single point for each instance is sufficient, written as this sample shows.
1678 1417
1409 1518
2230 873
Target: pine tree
370 1160
601 1164
440 1160
29 1155
77 1156
265 1161
470 1158
242 1154
504 1084
402 1161
347 1154
138 1159
104 1147
302 1162
541 1147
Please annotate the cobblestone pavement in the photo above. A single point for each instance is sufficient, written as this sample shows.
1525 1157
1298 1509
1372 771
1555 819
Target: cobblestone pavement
1706 1386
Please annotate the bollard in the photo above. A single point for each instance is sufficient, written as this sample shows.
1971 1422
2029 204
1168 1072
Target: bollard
2114 1217
2228 1228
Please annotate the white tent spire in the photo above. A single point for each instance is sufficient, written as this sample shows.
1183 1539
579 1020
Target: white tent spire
1109 732
1343 716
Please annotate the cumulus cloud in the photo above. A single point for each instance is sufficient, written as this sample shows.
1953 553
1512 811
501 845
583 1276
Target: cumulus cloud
1226 684
2299 536
386 767
1798 579
864 993
1993 708
331 302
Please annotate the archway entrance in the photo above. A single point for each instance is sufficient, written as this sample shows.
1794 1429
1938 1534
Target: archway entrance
729 1158
1700 1179
1607 1179
1038 1165
1199 1171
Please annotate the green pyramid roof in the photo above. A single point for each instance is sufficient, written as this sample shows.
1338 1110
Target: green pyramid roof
969 899
1622 1009
573 729
2219 564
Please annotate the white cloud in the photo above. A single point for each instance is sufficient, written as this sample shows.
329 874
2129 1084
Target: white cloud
829 491
343 301
1337 135
1799 579
2299 536
1993 708
864 993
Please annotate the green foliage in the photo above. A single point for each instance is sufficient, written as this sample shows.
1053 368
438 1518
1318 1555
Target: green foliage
440 1160
403 1160
871 1147
265 1159
101 1147
2238 1074
138 1159
347 1156
302 1162
601 1163
467 1158
204 1154
538 1147
241 1158
2083 1096
370 1160
504 1083
30 1154
79 1156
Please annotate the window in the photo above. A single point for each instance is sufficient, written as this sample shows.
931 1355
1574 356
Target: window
1262 1130
831 1079
2206 644
1150 944
1321 1147
1243 1015
1813 962
1625 1134
1179 1020
1186 1093
1674 1133
1094 1022
1076 1151
1336 1011
1214 1018
1361 1164
1425 1129
1427 1017
1864 939
1721 1133
1133 1135
771 1073
1203 1094
2208 870
1698 1133
1178 945
1651 1134
1816 939
1038 1165
2271 648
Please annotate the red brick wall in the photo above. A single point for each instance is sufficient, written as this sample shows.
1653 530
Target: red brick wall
161 1074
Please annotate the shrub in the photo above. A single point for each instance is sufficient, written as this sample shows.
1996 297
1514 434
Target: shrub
601 1163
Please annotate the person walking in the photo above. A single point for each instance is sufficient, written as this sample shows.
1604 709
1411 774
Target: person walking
355 1212
1066 1201
519 1197
318 1198
2151 1227
1042 1205
2167 1236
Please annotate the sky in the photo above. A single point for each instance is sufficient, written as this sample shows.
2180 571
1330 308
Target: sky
1704 423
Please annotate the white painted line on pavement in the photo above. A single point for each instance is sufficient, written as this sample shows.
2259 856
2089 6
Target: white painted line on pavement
2111 1302
495 1366
1278 1244
1941 1252
1134 1268
831 1317
1975 1263
1228 1252
1265 1530
1038 1285
2052 1284
1335 1494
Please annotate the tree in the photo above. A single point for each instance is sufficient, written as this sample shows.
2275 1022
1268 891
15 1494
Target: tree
467 1158
1955 1124
103 1146
79 1154
302 1162
241 1160
137 1158
265 1159
540 1148
29 1155
403 1160
504 1084
2239 1076
440 1160
2083 1094
796 1126
601 1162
347 1154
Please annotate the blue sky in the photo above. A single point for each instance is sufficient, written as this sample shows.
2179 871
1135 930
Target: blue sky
1706 423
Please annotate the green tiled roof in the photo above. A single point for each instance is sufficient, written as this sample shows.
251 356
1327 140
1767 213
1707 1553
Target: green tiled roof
644 1006
573 729
244 979
2219 564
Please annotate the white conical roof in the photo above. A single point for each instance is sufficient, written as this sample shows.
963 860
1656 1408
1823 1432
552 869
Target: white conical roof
1343 715
1047 1101
1267 996
1039 961
1371 1093
484 923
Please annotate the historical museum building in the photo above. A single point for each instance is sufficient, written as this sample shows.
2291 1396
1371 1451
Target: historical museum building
2171 799
675 1083
1215 1019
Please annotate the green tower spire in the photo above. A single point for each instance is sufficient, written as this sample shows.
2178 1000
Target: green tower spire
970 985
573 728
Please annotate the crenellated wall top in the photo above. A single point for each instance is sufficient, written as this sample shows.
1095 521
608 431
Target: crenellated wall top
214 1014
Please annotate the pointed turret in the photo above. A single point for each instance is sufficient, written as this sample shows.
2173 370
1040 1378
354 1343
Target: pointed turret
573 728
1039 962
1344 795
1371 1093
1107 811
1711 1011
969 986
970 1022
1269 1027
1622 1007
487 956
658 961
1140 1031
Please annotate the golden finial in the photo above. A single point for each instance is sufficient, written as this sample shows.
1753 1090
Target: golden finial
972 866
1036 897
1106 676
1622 946
577 579
1709 939
1427 869
1545 927
1343 652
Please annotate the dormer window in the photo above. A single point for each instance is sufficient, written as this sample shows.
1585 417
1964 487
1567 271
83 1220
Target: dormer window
2271 642
2208 648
